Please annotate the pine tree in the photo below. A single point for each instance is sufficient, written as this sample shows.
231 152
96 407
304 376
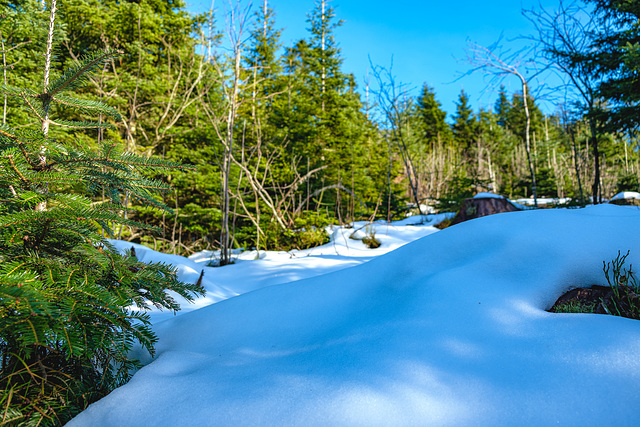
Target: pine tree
432 115
326 127
66 328
502 107
464 122
262 56
326 78
615 50
517 118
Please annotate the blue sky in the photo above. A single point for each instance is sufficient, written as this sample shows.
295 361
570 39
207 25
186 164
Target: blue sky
425 38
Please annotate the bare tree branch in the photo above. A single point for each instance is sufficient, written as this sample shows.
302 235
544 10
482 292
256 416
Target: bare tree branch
494 62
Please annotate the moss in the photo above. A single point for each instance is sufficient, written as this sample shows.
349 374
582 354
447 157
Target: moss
576 307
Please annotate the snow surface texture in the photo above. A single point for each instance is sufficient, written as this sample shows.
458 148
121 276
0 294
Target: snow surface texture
253 270
626 195
447 330
488 196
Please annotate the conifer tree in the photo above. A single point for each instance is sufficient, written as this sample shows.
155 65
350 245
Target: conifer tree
464 122
66 326
326 126
615 52
23 27
432 115
502 107
326 78
262 55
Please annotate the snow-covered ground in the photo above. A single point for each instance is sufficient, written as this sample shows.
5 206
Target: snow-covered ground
450 329
252 270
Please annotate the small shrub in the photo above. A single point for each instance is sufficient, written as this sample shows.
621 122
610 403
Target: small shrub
619 298
371 242
66 322
444 223
624 299
310 238
308 231
369 237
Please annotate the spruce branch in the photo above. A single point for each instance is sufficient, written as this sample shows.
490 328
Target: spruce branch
12 91
87 106
80 222
36 109
7 133
70 124
16 170
78 75
111 157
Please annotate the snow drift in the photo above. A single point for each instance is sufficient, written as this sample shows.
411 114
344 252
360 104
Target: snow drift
447 330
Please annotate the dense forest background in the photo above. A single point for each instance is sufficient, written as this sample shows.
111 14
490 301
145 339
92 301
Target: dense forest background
285 143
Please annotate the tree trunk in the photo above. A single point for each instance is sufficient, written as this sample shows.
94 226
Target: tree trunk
595 187
528 144
46 102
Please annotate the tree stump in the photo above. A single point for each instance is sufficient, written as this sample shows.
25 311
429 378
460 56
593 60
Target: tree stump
482 206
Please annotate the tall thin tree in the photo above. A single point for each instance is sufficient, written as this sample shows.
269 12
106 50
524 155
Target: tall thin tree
488 59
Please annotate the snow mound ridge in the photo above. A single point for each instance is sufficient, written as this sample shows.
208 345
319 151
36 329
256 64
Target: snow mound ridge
447 330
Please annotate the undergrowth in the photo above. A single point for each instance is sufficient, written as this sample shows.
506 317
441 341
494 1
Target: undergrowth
624 300
620 297
576 307
370 240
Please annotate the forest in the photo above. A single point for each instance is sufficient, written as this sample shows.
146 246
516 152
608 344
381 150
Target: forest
188 132
283 141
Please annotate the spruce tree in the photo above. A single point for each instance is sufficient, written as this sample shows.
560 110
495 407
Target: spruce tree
262 57
431 114
66 322
517 120
323 113
464 122
23 29
502 107
326 78
615 51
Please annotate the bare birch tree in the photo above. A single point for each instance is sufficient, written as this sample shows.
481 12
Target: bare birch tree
565 36
491 61
394 103
223 114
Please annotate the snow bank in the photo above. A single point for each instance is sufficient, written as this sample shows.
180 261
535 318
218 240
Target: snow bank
624 195
447 330
254 270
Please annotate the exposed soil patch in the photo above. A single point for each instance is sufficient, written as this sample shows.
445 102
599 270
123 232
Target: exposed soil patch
599 300
579 300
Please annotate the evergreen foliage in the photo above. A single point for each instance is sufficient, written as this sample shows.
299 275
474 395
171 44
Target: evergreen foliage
67 297
502 107
305 149
616 54
303 152
464 121
516 119
432 115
